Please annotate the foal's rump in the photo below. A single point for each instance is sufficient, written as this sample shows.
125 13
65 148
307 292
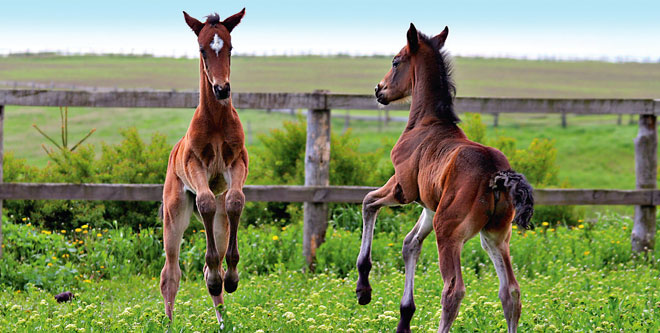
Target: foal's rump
477 180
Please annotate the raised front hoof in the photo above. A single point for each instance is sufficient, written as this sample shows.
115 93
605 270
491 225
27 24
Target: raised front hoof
231 281
214 284
363 295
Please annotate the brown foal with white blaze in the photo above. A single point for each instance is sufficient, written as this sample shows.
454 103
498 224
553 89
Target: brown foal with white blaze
207 169
465 187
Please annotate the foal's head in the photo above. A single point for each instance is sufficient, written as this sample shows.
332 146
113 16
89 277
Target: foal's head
398 82
215 47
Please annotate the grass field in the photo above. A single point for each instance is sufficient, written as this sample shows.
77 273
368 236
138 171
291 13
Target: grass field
473 76
584 279
580 146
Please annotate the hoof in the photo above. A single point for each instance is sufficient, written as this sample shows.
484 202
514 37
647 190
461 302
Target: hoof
402 328
214 284
364 295
231 281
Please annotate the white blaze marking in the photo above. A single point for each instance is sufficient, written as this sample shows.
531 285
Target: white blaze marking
216 44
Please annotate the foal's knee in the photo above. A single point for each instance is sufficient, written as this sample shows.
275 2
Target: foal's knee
369 204
234 203
205 203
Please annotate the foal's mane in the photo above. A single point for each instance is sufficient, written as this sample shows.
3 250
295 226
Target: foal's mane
213 19
445 107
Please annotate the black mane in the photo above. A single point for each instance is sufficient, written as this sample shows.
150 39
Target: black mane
213 19
445 107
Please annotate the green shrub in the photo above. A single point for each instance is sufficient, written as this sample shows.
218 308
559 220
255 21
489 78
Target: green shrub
537 163
280 161
131 161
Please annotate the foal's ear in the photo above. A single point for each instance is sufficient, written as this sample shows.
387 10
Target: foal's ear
440 38
413 39
231 22
193 23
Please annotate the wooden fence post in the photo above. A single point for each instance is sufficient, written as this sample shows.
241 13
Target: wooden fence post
646 166
2 157
496 119
317 173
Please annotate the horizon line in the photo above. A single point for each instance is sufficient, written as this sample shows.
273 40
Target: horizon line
558 58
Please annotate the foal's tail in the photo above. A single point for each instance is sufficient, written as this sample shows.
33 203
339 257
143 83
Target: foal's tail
521 192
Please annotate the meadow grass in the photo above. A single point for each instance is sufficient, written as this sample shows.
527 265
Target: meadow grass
572 279
474 76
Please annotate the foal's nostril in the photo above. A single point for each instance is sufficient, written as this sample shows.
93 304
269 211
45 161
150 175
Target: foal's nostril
221 92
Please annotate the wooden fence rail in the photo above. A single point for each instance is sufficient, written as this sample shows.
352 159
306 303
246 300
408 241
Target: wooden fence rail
316 194
299 193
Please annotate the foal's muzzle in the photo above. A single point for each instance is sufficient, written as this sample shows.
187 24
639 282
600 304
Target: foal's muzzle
221 92
380 96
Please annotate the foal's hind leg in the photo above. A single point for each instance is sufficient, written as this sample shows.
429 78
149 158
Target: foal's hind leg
373 201
496 243
177 209
412 247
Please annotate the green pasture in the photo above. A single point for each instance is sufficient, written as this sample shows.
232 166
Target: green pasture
592 152
473 76
583 279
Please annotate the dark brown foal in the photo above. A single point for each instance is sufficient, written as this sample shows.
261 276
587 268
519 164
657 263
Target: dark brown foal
207 169
465 187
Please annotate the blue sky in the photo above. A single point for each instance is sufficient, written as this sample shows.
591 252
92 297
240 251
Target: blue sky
561 29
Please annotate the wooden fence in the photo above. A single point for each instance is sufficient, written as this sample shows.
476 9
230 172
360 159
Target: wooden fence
316 193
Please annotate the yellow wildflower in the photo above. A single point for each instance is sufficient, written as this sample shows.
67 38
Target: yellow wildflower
624 227
102 267
63 231
275 238
24 219
390 244
580 221
87 281
99 235
545 224
551 229
85 226
514 227
54 257
78 230
581 226
586 253
84 231
50 264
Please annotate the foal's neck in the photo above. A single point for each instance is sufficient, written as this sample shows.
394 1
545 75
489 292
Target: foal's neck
209 106
431 95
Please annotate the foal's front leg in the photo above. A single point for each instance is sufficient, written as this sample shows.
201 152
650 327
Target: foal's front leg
372 202
234 203
206 206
